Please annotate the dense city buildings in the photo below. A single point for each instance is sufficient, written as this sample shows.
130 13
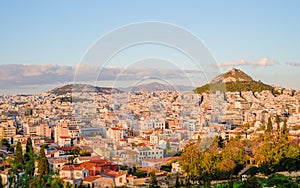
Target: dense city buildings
94 142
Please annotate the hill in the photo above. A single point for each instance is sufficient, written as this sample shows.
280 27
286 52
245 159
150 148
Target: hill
233 75
82 88
234 80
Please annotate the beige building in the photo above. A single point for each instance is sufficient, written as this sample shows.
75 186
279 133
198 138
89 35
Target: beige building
115 133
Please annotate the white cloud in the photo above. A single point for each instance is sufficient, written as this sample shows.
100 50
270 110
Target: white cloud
13 76
233 63
263 62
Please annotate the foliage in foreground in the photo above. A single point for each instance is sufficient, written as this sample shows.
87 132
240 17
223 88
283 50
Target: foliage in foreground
270 153
22 169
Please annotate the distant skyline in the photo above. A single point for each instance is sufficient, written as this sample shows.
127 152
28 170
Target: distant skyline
258 37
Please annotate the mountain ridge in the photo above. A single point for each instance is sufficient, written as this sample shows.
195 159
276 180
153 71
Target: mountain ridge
69 88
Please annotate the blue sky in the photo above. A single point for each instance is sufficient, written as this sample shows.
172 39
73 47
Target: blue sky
59 32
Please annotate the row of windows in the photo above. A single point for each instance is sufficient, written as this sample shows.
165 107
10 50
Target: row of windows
149 153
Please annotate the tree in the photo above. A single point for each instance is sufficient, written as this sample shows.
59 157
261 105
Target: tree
43 165
269 125
153 180
19 154
226 165
220 141
284 128
1 184
29 149
68 185
277 120
279 180
139 173
253 182
29 158
56 183
15 179
189 161
177 184
5 142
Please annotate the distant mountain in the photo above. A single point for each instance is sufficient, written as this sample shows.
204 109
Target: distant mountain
82 88
155 86
235 80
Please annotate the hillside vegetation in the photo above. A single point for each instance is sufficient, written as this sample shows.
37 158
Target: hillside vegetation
234 81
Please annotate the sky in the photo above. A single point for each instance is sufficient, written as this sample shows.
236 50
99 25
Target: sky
259 37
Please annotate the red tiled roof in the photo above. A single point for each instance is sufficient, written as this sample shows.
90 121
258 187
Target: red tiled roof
67 148
91 178
113 174
64 137
115 129
67 168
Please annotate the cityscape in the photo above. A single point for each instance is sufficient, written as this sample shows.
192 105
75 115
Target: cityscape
127 138
149 94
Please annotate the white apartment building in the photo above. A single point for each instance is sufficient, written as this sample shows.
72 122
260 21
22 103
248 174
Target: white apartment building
151 124
149 152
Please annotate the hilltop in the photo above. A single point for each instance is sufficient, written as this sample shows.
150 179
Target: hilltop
234 75
234 80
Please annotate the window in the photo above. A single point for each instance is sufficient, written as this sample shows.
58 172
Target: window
120 180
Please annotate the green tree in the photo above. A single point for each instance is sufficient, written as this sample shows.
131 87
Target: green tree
220 141
139 174
190 160
56 183
253 182
4 142
19 154
281 181
15 179
153 180
29 158
177 183
43 166
68 185
1 184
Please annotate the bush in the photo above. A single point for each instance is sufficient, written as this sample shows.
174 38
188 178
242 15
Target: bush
251 183
253 170
281 181
140 174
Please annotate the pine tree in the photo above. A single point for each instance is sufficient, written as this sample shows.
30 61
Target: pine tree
19 155
1 184
43 165
29 158
269 125
277 119
285 130
177 184
15 180
153 180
